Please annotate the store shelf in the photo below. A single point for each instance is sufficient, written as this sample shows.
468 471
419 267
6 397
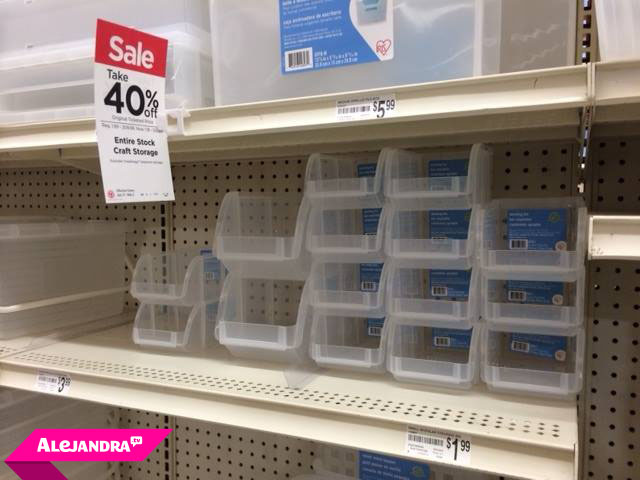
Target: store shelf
518 437
617 92
520 106
614 237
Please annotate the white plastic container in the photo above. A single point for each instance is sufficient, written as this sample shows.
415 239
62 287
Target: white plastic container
618 31
514 299
55 274
418 352
445 298
348 288
532 361
261 236
462 176
264 319
47 50
348 342
538 236
176 327
434 236
246 46
183 277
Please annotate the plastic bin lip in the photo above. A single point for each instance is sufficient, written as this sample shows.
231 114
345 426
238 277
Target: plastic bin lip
44 229
58 300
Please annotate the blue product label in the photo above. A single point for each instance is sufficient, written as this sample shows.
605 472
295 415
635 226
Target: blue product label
453 224
448 168
370 276
545 346
373 466
370 220
317 34
537 229
451 338
212 265
449 283
374 326
367 170
537 293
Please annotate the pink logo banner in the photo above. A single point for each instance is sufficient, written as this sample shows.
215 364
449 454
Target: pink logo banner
32 459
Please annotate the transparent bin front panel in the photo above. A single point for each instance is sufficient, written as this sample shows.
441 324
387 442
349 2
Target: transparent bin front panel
543 364
262 236
187 328
349 235
264 319
461 175
421 353
520 301
431 237
443 297
183 277
348 342
342 181
536 236
348 288
618 31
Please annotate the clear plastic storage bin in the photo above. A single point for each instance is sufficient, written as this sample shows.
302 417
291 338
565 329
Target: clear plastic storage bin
462 176
448 298
183 277
348 235
55 274
47 54
618 30
542 362
260 236
348 342
419 352
514 299
436 236
177 327
348 288
264 319
537 236
481 37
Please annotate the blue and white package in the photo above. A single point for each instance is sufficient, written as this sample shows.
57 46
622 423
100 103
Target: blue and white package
211 265
374 326
373 466
458 167
449 224
451 338
370 216
367 170
536 293
318 34
544 346
449 283
537 229
370 274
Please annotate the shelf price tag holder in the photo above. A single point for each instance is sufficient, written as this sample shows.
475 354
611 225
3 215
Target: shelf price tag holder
129 91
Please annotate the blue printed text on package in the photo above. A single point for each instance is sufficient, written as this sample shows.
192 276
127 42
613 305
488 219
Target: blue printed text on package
373 466
537 229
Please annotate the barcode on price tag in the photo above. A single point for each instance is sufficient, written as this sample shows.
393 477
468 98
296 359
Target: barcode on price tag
53 382
438 445
365 108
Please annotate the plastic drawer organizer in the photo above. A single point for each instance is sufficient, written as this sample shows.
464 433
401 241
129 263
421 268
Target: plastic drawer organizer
51 276
541 36
618 31
46 72
179 293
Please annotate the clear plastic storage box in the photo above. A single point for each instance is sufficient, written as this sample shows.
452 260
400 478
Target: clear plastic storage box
47 54
537 236
419 352
618 30
478 37
462 176
183 277
448 298
353 342
55 274
264 319
261 236
533 361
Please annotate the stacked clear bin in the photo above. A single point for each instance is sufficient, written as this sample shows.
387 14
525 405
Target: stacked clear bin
347 281
433 286
178 294
533 295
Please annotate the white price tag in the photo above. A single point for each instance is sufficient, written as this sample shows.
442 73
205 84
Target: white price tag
438 445
365 108
129 90
51 382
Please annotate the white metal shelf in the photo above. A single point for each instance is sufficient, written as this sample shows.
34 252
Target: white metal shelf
514 436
